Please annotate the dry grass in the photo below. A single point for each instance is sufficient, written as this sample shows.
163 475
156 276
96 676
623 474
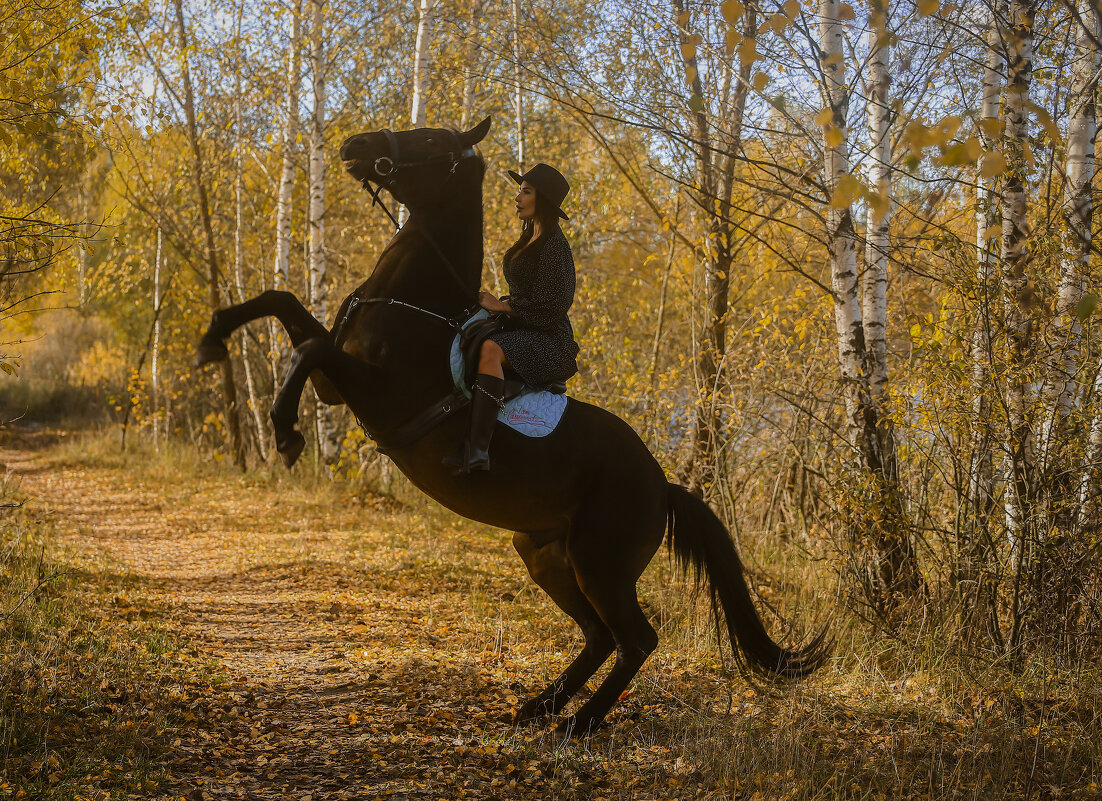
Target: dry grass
377 650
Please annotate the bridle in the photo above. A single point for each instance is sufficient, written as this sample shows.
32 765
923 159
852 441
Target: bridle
387 167
387 171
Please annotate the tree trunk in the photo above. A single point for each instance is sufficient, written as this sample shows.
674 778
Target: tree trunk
894 570
1016 257
281 272
420 76
238 246
229 388
977 560
155 349
715 181
518 86
328 436
473 37
875 290
1074 267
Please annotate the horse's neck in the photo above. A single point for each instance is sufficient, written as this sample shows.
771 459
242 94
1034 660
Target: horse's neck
456 229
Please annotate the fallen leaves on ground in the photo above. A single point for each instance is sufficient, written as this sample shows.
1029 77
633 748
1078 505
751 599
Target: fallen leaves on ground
323 646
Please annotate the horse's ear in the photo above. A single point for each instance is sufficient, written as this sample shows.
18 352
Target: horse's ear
476 134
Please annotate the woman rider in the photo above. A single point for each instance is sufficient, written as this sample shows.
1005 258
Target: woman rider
537 342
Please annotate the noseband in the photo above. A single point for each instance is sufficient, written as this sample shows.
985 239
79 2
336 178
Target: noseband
387 168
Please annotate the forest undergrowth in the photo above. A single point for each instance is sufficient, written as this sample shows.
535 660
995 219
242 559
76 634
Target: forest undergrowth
174 628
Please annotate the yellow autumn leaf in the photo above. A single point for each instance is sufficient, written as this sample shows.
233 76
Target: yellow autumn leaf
846 191
994 163
916 331
748 51
732 10
824 117
991 126
845 12
833 135
927 7
792 8
761 80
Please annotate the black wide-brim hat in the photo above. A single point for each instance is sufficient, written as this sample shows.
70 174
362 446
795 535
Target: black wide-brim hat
548 182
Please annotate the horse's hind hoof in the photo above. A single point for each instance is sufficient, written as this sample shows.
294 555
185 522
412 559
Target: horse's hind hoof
210 349
530 714
290 448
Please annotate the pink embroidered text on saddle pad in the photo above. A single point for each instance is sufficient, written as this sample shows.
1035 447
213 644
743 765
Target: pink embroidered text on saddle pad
534 413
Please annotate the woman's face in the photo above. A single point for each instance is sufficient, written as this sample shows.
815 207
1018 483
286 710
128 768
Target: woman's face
526 201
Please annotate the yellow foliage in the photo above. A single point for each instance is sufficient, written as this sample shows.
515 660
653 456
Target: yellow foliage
993 164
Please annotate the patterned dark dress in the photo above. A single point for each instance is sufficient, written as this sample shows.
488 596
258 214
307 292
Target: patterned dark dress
539 343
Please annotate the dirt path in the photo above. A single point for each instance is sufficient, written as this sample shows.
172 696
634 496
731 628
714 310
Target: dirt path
356 651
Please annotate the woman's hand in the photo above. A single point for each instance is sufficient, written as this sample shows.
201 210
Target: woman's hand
489 302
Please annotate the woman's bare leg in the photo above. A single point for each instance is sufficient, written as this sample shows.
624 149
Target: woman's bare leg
491 359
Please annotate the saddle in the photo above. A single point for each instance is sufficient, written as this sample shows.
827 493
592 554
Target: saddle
470 343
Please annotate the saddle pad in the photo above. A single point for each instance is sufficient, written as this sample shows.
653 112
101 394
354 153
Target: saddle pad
534 413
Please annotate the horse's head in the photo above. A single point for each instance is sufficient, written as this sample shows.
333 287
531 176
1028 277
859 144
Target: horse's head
414 166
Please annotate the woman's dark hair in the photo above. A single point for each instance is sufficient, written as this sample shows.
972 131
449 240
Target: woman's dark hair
548 216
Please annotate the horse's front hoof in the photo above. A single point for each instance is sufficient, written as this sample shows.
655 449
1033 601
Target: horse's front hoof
290 448
535 711
210 349
577 728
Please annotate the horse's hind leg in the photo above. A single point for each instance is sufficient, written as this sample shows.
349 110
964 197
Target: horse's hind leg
551 570
300 324
348 375
609 552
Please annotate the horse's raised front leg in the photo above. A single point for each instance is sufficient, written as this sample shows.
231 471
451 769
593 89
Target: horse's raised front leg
347 374
551 570
300 324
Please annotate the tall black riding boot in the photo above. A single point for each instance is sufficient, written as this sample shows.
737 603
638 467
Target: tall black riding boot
487 399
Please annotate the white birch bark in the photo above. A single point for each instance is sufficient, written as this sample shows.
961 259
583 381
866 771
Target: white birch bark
214 272
1082 131
417 114
518 100
473 37
875 283
319 280
1016 257
1089 480
981 477
839 220
281 271
155 354
238 248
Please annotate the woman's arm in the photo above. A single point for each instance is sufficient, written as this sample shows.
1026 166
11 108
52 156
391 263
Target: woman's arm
489 302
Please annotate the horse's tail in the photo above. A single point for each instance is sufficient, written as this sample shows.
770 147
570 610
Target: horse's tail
701 544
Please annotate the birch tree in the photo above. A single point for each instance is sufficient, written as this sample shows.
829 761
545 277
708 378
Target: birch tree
417 116
716 150
328 436
259 427
1015 257
1075 264
214 272
518 87
977 553
281 271
895 568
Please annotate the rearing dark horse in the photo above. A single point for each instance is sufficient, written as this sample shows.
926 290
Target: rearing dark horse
589 503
